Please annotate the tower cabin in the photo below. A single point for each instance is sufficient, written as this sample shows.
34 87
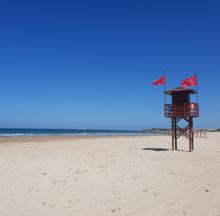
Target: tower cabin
181 105
181 109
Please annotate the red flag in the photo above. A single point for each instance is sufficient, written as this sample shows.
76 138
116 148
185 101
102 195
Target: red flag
160 81
191 81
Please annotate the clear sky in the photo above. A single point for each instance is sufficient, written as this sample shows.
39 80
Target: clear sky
89 64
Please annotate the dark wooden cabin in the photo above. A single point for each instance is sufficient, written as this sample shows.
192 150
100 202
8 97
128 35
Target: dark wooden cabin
181 105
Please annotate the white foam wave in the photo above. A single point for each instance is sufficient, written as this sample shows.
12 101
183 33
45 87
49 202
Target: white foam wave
15 134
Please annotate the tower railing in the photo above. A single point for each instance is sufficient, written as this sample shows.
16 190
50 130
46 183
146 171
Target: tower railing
181 110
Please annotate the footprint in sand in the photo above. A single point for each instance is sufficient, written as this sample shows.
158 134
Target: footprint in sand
81 171
135 178
205 189
115 210
184 212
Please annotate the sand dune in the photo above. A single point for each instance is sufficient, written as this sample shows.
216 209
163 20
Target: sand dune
126 176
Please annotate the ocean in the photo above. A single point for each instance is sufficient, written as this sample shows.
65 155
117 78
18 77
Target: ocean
15 132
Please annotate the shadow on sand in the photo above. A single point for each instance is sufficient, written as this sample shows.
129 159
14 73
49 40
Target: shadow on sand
155 149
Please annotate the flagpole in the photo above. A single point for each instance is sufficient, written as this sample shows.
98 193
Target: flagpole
197 89
165 87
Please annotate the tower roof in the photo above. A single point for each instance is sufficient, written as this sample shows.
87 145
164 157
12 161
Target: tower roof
180 89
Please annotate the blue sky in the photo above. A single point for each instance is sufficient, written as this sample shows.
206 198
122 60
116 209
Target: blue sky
73 64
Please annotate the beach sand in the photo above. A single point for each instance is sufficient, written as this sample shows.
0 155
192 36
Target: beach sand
126 176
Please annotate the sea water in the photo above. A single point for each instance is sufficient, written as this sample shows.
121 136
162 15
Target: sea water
14 132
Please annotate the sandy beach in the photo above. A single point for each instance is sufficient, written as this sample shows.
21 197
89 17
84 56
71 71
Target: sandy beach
127 176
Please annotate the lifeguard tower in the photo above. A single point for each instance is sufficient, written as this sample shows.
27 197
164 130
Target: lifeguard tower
181 109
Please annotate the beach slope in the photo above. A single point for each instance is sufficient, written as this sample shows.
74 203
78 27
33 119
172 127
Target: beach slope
127 176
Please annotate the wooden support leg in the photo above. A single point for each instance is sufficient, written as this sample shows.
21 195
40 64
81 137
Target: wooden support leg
175 132
192 133
172 131
186 131
190 142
